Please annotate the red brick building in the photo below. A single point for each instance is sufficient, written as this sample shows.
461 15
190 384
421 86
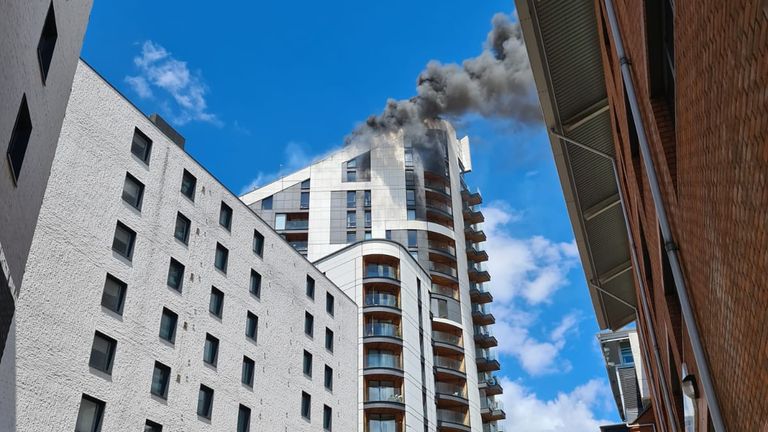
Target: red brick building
658 112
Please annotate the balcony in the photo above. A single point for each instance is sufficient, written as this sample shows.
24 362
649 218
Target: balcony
491 427
449 367
445 291
488 382
383 364
438 187
380 271
481 315
478 273
443 341
291 222
449 420
442 248
382 329
450 394
470 197
381 301
299 245
474 233
478 293
492 410
383 398
484 338
444 271
486 360
476 252
473 215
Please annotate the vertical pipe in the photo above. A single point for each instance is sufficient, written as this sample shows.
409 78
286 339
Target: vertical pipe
669 244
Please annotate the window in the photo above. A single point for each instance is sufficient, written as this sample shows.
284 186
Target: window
47 43
160 379
327 417
211 350
310 287
255 287
409 158
367 235
175 275
660 28
328 378
168 325
258 243
251 326
188 185
216 304
388 234
22 130
382 423
351 175
309 324
352 164
410 179
183 227
304 200
124 240
248 368
280 221
113 296
90 415
329 339
367 199
367 219
133 191
351 236
141 146
306 402
351 199
205 402
266 203
626 355
243 419
410 197
351 219
222 256
329 303
413 239
307 365
151 426
225 216
411 214
305 184
102 353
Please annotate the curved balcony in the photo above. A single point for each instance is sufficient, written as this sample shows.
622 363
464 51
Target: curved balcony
443 341
472 214
381 302
443 271
442 248
492 410
440 213
474 233
382 364
476 252
445 291
488 382
388 422
450 394
478 273
448 368
478 293
491 427
381 273
452 421
470 197
486 360
481 315
439 188
382 332
383 399
484 338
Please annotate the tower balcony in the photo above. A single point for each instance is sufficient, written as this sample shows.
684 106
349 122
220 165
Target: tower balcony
470 197
486 360
453 420
478 273
474 233
481 315
473 215
478 293
484 338
489 383
476 252
492 410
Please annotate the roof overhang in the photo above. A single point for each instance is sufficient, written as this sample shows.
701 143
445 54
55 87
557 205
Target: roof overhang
563 47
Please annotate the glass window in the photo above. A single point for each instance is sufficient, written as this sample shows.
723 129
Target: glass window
266 203
327 418
47 43
351 199
160 379
305 184
216 303
307 365
409 158
410 197
388 234
168 325
211 350
626 354
367 235
367 199
382 423
141 146
304 203
280 221
309 324
352 163
175 275
258 243
351 236
124 240
413 239
22 130
150 426
329 339
351 219
249 366
251 326
188 184
222 256
306 401
90 415
367 219
351 175
102 352
183 227
329 303
411 214
133 191
310 287
205 402
113 296
328 378
225 216
255 287
243 419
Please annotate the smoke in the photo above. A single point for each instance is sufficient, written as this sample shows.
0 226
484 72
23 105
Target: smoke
496 84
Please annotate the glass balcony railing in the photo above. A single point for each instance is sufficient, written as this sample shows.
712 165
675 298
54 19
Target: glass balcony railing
449 363
451 416
384 394
451 389
475 286
382 329
485 354
299 245
491 404
441 336
475 246
483 331
482 309
380 270
487 378
378 298
442 247
442 268
477 227
298 224
437 186
491 427
383 361
446 291
478 267
437 205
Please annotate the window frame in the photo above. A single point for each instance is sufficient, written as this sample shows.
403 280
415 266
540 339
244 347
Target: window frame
307 361
310 287
329 339
163 394
220 248
175 265
147 151
188 228
267 203
255 290
253 334
175 317
192 188
226 212
214 343
45 46
122 289
240 410
328 378
218 295
249 365
140 195
309 325
110 354
131 240
328 418
207 393
258 243
17 146
330 304
306 406
99 414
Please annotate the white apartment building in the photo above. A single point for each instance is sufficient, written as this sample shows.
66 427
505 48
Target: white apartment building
624 365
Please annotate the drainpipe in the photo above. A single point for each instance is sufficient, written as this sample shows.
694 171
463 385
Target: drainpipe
669 243
633 254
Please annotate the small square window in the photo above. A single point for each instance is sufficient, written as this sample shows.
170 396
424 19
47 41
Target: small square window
243 419
141 146
351 199
90 415
258 243
211 350
306 403
17 147
351 175
249 366
304 200
124 240
175 275
413 239
310 287
367 199
327 418
225 216
205 402
351 236
168 325
102 352
351 219
305 184
367 235
329 339
266 203
113 296
328 378
133 191
150 426
251 326
183 228
188 185
309 324
307 365
216 304
255 287
160 379
47 43
411 214
329 303
222 256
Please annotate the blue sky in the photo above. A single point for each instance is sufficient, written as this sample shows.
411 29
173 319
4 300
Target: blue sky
259 85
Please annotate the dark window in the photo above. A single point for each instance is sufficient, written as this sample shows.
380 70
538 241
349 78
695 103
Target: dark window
151 426
188 185
307 365
327 418
124 240
183 227
251 326
413 239
205 402
211 350
660 30
113 296
216 305
248 368
328 378
306 403
410 179
160 379
225 216
309 324
329 339
305 184
329 303
388 234
168 325
351 199
243 419
133 191
90 415
351 236
266 203
304 200
255 287
410 197
222 256
102 352
367 199
351 219
367 235
47 43
141 146
351 175
22 130
368 221
310 287
258 243
175 275
409 158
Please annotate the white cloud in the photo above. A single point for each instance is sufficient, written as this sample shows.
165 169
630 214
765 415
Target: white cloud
159 69
568 412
